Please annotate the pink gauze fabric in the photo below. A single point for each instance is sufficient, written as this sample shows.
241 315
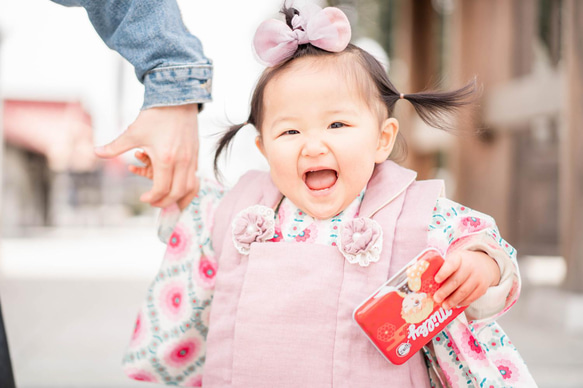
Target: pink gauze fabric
326 28
288 306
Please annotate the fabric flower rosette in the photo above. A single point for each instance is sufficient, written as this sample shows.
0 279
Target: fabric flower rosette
361 241
253 224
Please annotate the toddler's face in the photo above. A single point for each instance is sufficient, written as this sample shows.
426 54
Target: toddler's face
320 138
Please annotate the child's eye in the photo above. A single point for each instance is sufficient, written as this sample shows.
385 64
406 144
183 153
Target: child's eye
337 125
291 132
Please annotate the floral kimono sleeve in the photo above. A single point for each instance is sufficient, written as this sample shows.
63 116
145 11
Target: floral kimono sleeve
187 233
168 343
454 226
201 210
473 350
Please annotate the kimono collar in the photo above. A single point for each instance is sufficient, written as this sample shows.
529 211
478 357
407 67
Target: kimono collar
388 181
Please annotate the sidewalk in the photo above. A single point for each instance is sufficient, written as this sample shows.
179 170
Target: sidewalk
71 330
70 299
546 325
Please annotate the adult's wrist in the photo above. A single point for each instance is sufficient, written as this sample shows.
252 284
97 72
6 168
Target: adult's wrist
178 85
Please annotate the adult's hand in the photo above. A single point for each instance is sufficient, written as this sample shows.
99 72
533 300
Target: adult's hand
169 136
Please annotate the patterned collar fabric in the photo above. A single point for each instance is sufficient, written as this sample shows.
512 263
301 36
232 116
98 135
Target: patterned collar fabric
293 224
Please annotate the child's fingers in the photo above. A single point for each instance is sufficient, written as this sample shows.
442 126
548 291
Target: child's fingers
450 265
146 170
133 169
141 171
450 285
142 157
459 296
475 295
448 288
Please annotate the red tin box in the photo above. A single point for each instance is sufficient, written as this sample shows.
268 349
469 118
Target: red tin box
401 317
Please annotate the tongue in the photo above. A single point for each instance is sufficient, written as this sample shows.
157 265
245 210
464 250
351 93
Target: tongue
319 180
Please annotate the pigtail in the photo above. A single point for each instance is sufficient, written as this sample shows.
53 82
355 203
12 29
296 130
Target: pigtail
289 13
255 118
256 112
435 108
224 143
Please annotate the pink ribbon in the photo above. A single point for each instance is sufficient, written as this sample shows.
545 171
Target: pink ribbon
326 28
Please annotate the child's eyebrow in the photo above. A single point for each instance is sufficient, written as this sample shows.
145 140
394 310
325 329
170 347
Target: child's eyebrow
346 110
282 119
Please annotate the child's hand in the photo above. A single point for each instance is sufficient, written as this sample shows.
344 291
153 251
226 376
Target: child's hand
146 171
466 276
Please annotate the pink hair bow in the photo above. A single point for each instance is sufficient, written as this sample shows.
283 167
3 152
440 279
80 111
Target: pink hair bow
326 28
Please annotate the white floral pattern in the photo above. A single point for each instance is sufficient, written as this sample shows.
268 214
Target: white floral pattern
295 225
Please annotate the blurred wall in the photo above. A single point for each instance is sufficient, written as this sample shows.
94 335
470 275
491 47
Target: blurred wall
515 154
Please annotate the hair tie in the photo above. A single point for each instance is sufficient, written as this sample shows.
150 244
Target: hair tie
402 96
327 29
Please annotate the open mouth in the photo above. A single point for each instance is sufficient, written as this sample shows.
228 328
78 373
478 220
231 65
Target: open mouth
318 180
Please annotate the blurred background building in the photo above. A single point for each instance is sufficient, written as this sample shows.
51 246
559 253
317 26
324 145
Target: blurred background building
515 155
74 230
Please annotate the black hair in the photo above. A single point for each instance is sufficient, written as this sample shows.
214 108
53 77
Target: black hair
433 107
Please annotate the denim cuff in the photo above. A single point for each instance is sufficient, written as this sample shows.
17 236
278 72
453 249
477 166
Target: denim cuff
177 85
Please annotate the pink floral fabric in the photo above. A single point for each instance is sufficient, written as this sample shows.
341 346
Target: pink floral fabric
206 272
293 224
141 375
178 243
168 340
172 300
454 226
168 344
476 353
182 353
461 356
307 235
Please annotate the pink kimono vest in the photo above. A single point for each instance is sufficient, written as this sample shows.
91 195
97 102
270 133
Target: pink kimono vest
282 316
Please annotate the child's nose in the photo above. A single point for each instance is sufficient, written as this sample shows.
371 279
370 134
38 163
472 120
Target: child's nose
314 146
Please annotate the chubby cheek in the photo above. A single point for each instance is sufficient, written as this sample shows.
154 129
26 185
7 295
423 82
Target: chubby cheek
357 170
282 166
357 152
281 162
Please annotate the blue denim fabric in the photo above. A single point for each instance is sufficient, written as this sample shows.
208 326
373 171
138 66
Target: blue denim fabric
150 34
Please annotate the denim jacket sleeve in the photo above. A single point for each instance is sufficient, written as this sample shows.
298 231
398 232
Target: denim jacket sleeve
150 34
